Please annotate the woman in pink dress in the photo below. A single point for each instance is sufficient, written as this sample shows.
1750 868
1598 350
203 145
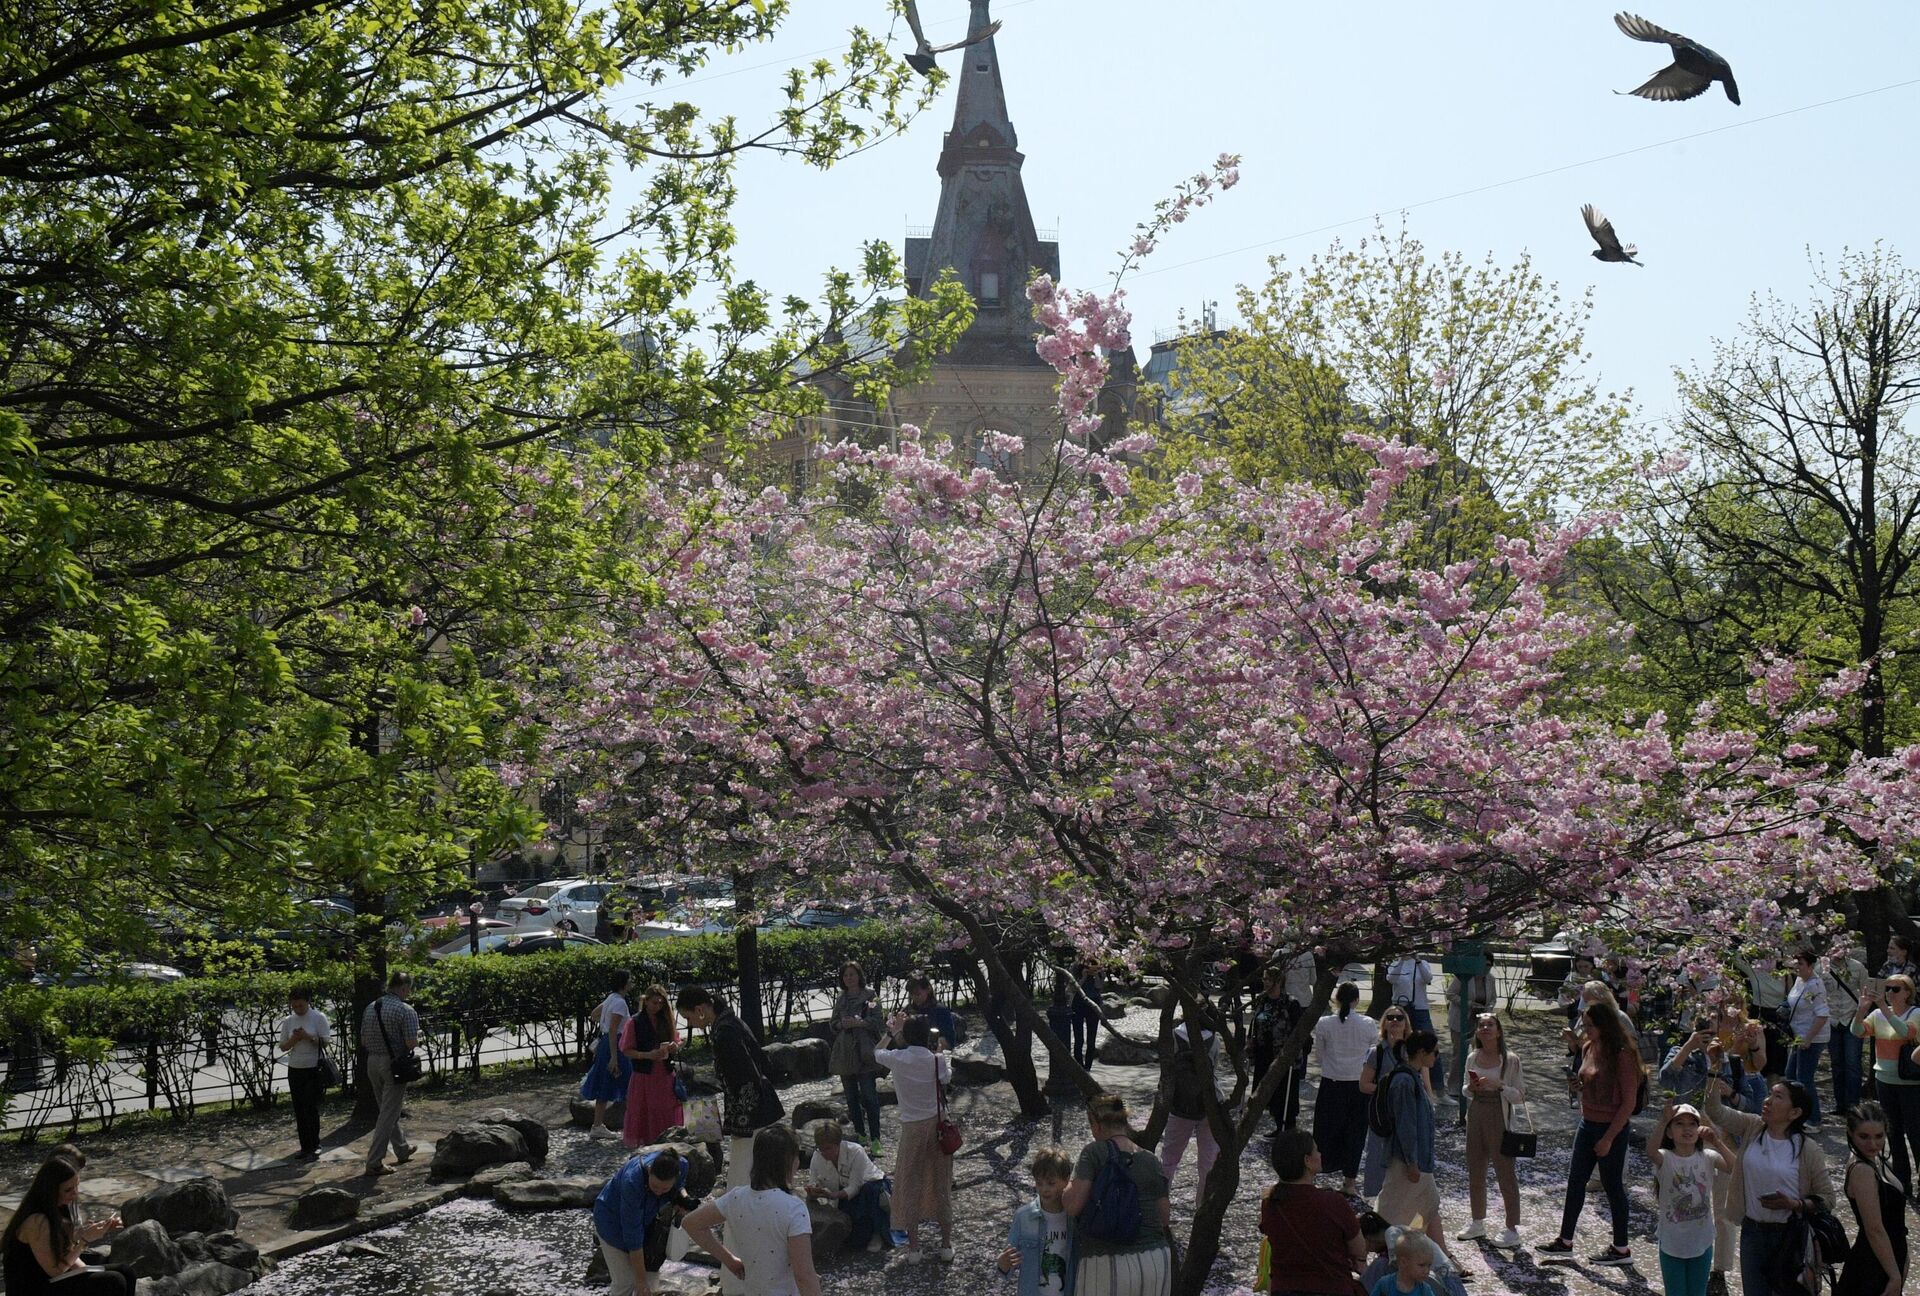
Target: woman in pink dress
650 1039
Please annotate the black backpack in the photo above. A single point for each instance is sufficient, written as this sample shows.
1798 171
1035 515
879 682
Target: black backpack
1184 1098
1380 1104
1112 1212
1815 1243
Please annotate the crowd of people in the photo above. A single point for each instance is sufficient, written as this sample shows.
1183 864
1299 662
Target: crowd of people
1738 1184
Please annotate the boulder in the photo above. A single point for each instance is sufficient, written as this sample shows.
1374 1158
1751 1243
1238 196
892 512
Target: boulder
194 1247
1159 996
229 1249
888 1098
703 1163
580 1114
190 1206
1117 1050
568 1192
146 1250
474 1146
322 1207
532 1132
702 1081
208 1278
485 1183
782 1064
811 1058
972 1070
809 1110
831 1229
1113 1007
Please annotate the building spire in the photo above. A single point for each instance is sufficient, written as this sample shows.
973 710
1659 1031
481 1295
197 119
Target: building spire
984 229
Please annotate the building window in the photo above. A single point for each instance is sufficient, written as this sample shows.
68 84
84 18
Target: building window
989 287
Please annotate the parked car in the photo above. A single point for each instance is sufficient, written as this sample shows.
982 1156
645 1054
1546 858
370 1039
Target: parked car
505 942
91 973
541 907
814 914
686 920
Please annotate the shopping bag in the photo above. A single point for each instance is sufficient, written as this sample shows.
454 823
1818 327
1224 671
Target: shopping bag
703 1119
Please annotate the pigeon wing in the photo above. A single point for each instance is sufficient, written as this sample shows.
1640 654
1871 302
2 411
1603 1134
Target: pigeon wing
1641 30
1601 228
912 12
971 38
1672 84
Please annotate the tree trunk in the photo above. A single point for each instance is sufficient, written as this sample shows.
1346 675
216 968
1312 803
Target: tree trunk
1015 1037
369 960
746 954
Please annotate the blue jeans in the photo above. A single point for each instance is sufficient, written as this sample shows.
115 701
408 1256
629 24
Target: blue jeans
1803 1065
1423 1020
1845 1051
1086 1033
863 1104
864 1210
1613 1178
1686 1277
1759 1245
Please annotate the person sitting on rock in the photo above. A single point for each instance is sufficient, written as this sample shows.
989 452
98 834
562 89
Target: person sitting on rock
634 1213
842 1173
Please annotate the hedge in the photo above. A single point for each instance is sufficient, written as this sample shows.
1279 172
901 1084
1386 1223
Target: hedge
85 1035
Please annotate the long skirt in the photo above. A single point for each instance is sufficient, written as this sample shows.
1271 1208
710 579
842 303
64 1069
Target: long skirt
1138 1273
922 1178
601 1085
651 1106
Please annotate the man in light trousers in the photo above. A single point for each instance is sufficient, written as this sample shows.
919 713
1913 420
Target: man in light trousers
390 1029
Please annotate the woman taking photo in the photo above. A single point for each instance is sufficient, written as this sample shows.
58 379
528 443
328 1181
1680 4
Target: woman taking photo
648 1041
606 1080
1877 1265
1609 1083
922 1173
40 1250
1494 1084
768 1227
857 1026
1142 1266
1342 1040
1894 1028
1777 1173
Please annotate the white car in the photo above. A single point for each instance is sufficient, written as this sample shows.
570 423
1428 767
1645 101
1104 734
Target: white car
686 920
541 908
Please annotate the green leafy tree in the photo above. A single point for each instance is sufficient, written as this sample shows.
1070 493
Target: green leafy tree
327 366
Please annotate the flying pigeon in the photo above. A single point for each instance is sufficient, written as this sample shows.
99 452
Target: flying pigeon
1694 66
922 60
1602 230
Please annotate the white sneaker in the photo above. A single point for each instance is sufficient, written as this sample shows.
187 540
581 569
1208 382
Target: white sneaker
1507 1239
945 1253
1472 1232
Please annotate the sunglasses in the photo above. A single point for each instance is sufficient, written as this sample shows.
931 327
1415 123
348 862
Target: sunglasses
1391 1018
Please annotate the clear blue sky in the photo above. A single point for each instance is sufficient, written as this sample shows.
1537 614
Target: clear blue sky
1343 110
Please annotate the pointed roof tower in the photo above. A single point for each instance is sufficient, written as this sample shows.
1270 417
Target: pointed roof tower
984 229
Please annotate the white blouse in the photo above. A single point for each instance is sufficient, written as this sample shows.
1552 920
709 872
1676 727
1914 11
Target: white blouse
1342 1046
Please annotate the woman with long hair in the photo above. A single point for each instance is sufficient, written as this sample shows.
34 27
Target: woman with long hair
1778 1172
1891 1023
1494 1083
1388 1052
1342 1041
857 1027
41 1246
649 1042
606 1080
1877 1265
769 1230
1609 1081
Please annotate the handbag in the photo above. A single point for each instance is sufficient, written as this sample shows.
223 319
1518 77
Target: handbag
406 1067
945 1132
1519 1143
329 1072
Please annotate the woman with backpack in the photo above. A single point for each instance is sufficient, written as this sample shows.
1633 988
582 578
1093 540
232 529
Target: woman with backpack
1890 1020
1609 1079
1342 1040
1389 1051
1118 1199
1400 1122
1778 1173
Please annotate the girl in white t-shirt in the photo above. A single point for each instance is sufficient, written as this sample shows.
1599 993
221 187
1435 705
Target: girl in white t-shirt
1686 1153
769 1233
606 1080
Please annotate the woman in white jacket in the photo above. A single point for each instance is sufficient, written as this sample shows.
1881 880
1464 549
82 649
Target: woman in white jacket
1494 1084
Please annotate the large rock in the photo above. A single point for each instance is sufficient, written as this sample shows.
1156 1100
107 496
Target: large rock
532 1132
208 1278
888 1098
811 1058
831 1229
147 1250
1116 1050
703 1163
782 1064
485 1183
475 1146
972 1070
1113 1007
569 1192
580 1114
232 1250
1159 996
322 1207
809 1110
190 1206
702 1081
